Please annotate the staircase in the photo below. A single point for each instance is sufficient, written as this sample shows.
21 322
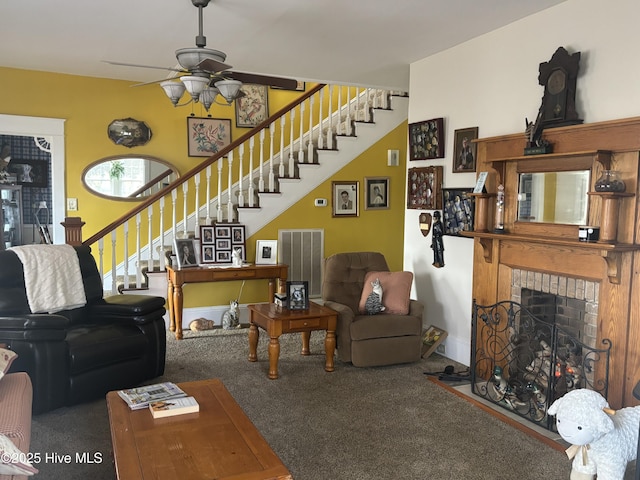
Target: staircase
251 181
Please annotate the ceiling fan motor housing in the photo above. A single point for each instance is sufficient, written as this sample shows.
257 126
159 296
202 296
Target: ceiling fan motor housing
190 58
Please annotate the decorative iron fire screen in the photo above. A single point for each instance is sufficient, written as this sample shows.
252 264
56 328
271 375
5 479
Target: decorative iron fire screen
523 363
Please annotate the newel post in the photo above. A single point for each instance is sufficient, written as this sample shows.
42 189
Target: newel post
72 230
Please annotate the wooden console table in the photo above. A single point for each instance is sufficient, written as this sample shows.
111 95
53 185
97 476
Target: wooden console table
178 277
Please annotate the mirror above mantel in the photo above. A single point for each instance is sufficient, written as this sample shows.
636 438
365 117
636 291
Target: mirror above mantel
128 177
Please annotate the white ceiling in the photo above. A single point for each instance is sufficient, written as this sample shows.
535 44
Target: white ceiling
359 42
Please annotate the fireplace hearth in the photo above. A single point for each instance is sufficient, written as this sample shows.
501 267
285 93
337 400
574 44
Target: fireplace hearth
523 363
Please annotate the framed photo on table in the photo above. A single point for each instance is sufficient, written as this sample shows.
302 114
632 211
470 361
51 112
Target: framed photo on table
298 295
345 199
186 252
266 252
376 193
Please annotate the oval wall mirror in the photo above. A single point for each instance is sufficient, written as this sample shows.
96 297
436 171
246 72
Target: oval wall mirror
128 177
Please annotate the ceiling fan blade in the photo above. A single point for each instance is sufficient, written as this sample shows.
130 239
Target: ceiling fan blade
152 82
142 66
281 82
213 66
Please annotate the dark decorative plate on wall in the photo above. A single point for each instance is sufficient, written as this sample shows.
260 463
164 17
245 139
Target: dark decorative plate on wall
129 132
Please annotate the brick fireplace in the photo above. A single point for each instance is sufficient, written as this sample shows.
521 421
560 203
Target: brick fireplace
601 279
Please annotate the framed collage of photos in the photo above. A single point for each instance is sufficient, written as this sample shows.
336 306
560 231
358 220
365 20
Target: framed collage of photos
218 242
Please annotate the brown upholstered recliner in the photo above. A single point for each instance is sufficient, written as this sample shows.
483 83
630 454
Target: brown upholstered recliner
368 340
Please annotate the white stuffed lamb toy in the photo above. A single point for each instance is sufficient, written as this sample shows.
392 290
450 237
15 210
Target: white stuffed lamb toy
603 440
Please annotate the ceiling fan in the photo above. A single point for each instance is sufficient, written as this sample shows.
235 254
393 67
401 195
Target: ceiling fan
205 75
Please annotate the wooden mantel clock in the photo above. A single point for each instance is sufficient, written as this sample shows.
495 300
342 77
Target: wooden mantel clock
558 76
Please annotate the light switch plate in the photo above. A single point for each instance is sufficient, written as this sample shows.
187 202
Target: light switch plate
72 204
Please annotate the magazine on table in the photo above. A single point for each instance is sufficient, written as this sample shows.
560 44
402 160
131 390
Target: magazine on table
173 406
141 397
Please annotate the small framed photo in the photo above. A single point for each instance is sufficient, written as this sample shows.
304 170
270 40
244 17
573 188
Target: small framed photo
376 193
253 107
223 244
207 136
222 231
424 188
237 234
266 252
223 256
206 234
208 253
458 207
345 199
186 252
464 150
426 139
431 339
298 295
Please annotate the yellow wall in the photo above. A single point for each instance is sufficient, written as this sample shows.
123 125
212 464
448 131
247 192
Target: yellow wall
372 230
89 104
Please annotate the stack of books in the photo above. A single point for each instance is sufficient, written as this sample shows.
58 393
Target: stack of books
162 399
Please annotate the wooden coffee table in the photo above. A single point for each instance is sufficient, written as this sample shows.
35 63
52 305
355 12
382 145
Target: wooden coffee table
276 321
218 442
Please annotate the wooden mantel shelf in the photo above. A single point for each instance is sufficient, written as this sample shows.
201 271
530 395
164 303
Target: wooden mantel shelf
611 252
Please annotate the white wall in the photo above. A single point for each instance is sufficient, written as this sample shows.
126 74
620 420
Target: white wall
492 82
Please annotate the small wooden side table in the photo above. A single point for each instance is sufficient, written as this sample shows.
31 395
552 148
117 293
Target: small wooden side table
276 321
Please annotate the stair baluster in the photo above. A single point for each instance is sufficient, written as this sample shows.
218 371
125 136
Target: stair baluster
208 197
301 137
240 175
272 179
310 144
281 154
219 212
230 187
292 167
150 262
137 262
261 179
196 201
320 144
330 118
251 188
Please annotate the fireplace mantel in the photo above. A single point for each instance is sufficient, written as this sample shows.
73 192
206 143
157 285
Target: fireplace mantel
555 249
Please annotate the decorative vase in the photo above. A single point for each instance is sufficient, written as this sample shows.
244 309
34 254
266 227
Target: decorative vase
610 181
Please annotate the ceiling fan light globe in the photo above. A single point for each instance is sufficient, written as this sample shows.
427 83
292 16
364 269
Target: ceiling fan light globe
207 97
228 89
173 90
194 85
190 58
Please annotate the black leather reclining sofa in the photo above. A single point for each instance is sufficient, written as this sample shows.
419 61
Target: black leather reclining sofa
79 355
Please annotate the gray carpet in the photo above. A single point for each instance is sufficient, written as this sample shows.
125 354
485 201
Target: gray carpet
352 424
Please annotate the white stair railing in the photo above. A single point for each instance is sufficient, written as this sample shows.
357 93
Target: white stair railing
308 128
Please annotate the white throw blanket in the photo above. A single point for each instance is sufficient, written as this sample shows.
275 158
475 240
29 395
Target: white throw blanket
52 277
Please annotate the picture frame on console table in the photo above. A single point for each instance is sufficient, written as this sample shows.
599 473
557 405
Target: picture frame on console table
298 295
266 252
186 253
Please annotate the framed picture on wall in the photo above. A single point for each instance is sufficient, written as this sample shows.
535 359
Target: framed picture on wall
253 107
458 209
207 136
345 199
464 150
376 193
426 139
424 188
